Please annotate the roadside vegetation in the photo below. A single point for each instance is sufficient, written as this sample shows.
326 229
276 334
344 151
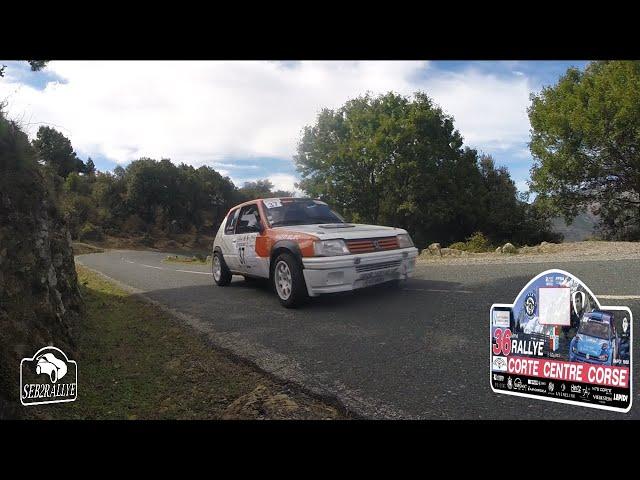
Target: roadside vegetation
585 141
476 243
150 203
137 362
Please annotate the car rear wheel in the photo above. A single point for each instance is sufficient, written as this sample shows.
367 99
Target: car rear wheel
220 271
288 281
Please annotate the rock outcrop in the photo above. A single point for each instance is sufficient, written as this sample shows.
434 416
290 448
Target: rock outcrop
509 248
40 302
435 249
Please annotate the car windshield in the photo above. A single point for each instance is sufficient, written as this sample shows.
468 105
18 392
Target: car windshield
594 329
283 212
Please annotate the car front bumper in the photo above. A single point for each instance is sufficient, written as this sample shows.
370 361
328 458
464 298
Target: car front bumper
574 357
349 272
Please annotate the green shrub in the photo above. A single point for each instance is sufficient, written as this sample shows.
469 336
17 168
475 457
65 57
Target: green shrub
476 243
91 232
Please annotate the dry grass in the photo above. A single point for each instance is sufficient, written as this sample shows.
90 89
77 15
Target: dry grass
137 362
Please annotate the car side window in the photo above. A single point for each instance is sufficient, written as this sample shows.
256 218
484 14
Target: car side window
249 220
232 219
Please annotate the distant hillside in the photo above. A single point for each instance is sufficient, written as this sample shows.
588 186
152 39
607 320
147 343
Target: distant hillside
582 228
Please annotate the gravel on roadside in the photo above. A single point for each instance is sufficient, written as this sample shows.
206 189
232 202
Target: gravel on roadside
569 251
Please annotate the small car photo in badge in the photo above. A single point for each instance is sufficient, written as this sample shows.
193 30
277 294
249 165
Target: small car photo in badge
596 340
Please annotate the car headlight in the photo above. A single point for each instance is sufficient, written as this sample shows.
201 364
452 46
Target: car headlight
330 248
404 241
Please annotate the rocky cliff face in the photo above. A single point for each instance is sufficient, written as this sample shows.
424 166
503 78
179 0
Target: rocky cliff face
40 301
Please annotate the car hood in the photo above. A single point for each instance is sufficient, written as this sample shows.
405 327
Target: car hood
590 345
346 231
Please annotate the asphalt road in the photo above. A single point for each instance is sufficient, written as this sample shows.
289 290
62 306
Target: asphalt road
416 352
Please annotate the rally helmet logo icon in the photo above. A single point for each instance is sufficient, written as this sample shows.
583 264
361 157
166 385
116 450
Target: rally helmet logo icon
530 304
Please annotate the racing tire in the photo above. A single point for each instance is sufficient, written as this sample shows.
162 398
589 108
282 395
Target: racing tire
220 271
288 281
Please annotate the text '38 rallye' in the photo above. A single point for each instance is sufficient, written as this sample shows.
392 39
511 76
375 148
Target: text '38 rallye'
305 249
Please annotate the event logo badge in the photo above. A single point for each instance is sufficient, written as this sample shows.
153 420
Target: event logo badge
530 304
499 364
48 377
560 336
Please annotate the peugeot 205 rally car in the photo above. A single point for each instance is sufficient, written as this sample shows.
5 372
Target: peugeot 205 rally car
305 249
596 340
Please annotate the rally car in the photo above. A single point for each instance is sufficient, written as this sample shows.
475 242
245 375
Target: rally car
596 340
305 249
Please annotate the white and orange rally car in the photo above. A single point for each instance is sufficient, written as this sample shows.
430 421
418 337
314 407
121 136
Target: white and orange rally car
305 249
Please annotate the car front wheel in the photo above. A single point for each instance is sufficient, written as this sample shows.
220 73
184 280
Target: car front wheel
288 281
220 271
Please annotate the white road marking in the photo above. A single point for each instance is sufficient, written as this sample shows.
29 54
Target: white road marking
192 271
620 297
168 269
152 266
439 290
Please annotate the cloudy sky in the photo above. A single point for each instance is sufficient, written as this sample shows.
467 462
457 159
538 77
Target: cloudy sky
245 118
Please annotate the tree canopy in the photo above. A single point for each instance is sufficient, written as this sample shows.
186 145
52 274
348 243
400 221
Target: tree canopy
399 161
262 189
585 140
147 196
56 152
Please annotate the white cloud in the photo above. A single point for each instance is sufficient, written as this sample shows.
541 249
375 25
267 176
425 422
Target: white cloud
208 112
283 181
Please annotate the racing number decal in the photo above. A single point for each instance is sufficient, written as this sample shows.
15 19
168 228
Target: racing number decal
503 342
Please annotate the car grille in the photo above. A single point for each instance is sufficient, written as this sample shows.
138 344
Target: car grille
583 357
368 245
377 266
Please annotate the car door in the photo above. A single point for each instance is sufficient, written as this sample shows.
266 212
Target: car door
228 241
248 229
